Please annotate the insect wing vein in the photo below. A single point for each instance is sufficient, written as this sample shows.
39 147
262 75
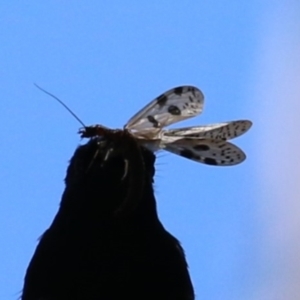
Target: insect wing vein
211 152
173 106
218 131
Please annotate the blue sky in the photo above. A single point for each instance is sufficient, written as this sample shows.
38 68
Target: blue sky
108 59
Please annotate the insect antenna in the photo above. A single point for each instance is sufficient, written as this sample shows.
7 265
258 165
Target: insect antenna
63 104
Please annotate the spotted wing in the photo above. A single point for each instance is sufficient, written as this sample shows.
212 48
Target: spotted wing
210 152
175 105
219 131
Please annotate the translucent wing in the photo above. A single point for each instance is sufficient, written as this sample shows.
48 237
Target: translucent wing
210 152
175 105
219 131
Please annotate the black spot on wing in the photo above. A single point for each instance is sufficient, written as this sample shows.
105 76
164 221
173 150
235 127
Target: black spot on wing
162 99
187 153
174 110
210 161
191 89
223 145
152 120
178 90
201 147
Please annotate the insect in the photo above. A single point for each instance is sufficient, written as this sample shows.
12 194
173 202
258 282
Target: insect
207 144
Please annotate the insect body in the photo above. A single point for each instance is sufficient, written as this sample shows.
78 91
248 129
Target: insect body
207 144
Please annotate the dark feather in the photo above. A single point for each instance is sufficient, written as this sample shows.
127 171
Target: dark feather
106 241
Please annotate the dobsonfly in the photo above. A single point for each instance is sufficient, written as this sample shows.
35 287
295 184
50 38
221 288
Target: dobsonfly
207 144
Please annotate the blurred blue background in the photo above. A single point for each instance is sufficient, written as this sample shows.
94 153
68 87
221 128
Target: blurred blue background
239 225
